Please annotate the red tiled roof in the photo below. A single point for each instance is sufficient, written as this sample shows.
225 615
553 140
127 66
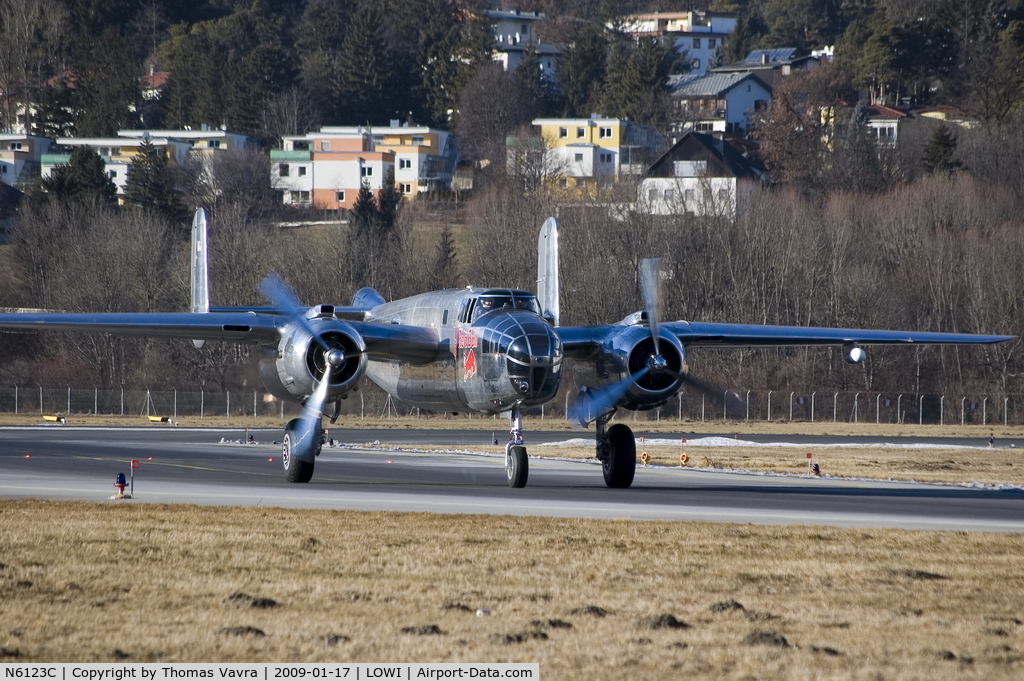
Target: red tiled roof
155 80
68 79
879 111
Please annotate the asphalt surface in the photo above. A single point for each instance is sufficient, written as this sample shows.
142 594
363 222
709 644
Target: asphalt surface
193 466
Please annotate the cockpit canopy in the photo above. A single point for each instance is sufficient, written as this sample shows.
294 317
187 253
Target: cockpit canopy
497 299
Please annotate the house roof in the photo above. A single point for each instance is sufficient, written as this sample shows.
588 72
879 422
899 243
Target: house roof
878 111
723 159
710 84
155 80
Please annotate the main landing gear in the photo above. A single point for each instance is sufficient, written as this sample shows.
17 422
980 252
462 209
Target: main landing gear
299 457
616 450
517 465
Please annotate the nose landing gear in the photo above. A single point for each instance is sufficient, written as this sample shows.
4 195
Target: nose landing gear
517 464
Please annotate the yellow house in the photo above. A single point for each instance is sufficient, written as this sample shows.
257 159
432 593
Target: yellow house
582 153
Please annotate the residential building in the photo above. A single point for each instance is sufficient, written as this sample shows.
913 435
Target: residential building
697 35
884 123
117 154
769 64
20 158
206 142
327 168
515 31
717 102
580 153
700 175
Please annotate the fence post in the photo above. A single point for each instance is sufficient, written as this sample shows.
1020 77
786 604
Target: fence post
255 411
878 406
791 406
202 404
942 409
899 408
122 400
95 401
747 418
702 396
984 411
1006 407
228 395
920 410
769 405
812 405
856 405
15 399
175 404
40 399
835 407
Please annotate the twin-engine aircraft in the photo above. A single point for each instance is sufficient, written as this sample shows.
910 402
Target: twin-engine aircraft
484 350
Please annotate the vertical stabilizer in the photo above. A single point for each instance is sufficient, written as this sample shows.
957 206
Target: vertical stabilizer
200 273
547 270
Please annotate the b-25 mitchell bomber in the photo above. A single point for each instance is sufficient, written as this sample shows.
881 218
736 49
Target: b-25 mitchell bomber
489 351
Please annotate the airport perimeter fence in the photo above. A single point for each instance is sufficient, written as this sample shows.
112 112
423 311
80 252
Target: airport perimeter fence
370 402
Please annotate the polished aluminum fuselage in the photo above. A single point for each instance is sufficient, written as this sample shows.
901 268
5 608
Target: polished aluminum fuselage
471 371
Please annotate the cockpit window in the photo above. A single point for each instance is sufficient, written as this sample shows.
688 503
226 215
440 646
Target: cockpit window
505 299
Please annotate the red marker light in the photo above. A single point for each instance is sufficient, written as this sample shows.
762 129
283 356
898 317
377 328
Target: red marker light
149 459
28 456
270 459
389 462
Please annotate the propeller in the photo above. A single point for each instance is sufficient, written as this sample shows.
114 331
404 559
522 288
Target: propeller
278 293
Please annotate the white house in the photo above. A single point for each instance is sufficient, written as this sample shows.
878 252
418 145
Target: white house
698 35
717 102
700 175
20 157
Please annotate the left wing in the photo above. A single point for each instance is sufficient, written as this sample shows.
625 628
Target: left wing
383 341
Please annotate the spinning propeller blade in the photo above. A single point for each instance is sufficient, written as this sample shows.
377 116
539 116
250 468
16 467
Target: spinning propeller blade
281 296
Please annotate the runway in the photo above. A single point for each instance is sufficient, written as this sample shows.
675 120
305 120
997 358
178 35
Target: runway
193 466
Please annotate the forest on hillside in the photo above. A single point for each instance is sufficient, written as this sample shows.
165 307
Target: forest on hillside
284 67
926 236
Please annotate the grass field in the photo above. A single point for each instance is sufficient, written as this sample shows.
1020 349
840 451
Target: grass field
587 599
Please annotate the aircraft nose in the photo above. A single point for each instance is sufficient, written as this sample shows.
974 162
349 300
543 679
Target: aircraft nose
534 362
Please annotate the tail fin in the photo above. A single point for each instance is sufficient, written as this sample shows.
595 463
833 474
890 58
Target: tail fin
200 273
547 270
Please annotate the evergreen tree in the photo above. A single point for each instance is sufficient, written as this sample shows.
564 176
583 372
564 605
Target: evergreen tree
366 80
150 186
939 152
582 70
388 201
82 179
108 89
529 72
445 268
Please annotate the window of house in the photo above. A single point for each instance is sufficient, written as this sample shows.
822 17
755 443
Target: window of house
300 145
215 144
112 174
405 188
579 158
302 171
580 133
704 127
695 66
302 196
606 158
417 140
15 146
283 170
563 183
652 195
711 43
340 196
325 145
581 183
404 163
690 195
366 171
606 133
669 194
3 169
696 43
563 133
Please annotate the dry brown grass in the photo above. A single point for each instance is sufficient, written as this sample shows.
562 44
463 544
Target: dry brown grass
98 582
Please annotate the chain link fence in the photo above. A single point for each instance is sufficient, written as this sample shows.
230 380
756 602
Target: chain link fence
371 402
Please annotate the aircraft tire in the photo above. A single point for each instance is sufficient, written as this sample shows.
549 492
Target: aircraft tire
519 467
619 466
295 470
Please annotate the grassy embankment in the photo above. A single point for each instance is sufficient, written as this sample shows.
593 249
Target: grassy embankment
587 599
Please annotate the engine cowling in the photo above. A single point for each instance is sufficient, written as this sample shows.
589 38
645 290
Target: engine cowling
292 369
624 357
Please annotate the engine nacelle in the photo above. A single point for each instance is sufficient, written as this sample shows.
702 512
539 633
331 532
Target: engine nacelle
854 354
625 355
293 368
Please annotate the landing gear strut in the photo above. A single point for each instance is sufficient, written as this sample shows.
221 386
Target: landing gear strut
517 465
616 449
